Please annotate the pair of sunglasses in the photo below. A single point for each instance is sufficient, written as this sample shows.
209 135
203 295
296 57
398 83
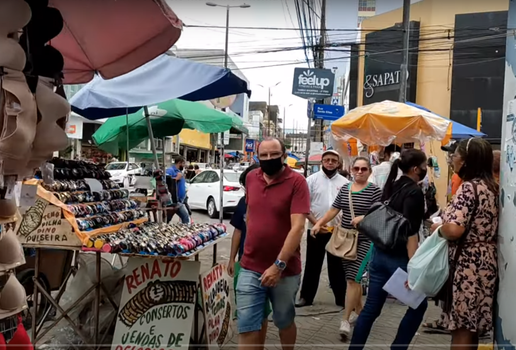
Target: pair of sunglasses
364 169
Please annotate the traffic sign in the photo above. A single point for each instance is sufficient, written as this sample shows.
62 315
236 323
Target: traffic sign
328 112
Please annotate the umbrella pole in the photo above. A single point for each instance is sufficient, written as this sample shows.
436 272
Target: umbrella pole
154 154
127 132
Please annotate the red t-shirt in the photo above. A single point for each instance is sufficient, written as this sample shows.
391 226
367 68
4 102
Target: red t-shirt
269 207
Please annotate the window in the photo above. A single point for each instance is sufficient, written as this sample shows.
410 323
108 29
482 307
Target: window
201 178
367 5
158 143
212 177
232 177
133 166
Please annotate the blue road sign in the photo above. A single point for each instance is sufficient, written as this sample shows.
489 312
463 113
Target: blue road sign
328 112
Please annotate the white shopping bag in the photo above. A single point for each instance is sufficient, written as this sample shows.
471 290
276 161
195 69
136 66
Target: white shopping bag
429 267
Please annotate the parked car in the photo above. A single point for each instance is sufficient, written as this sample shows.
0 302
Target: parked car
123 172
204 191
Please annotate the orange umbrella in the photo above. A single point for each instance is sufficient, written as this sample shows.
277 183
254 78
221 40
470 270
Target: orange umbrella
112 37
387 122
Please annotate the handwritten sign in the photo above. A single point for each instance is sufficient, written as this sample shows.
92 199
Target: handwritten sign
215 286
157 305
43 225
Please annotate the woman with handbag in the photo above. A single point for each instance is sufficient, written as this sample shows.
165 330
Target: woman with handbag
470 224
395 242
354 201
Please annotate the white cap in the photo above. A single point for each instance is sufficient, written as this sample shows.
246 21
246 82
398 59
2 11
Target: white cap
330 151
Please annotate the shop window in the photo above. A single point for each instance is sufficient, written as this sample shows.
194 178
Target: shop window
367 5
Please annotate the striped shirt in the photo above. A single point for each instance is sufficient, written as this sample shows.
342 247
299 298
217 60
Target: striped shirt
362 202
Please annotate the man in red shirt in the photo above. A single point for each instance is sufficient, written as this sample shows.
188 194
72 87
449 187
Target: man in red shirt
278 203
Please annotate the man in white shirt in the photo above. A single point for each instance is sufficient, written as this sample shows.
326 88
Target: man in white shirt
381 172
324 186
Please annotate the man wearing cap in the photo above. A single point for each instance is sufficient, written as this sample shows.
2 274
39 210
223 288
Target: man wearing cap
324 187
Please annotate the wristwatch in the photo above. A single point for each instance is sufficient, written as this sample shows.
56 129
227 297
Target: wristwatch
281 265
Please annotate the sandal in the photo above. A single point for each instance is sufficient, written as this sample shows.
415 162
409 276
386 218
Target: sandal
434 328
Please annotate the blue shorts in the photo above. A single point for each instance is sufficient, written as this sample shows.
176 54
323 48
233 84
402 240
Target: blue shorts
252 297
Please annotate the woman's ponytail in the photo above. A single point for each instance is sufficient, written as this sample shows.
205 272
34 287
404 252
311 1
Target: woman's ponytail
393 175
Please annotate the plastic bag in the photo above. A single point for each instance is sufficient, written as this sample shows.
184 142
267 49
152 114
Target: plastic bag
429 267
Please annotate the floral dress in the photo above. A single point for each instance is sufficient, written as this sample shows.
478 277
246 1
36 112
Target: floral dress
476 273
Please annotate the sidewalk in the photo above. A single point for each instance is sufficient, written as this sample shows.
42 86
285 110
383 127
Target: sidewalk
318 325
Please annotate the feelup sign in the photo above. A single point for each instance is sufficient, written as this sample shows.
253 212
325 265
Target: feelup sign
313 83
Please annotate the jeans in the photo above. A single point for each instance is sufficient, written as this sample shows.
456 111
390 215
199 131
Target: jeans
252 299
381 268
315 252
182 212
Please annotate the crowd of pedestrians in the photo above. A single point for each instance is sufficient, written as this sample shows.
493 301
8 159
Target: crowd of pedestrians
270 223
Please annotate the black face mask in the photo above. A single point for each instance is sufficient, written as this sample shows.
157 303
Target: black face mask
271 166
329 173
422 174
181 168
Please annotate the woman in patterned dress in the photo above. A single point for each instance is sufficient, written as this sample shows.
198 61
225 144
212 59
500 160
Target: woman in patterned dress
471 221
363 195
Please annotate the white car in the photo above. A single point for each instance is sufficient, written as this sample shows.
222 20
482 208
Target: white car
123 173
203 191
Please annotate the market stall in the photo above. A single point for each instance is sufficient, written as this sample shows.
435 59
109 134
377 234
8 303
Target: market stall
91 214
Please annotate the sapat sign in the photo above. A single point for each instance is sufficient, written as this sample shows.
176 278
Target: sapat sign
373 81
313 83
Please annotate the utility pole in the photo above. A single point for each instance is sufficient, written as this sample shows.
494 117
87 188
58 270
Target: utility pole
320 64
406 48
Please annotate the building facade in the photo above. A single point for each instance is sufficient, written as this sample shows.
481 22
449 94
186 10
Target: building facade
457 52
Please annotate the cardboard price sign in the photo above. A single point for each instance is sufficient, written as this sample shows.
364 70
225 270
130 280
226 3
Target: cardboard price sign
157 305
215 285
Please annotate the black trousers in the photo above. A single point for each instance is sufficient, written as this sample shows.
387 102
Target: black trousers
315 252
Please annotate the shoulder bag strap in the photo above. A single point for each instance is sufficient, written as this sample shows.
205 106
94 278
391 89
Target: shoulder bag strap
462 239
351 209
395 194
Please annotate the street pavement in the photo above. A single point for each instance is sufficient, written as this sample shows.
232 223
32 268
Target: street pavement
318 325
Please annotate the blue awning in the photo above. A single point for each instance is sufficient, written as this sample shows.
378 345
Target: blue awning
459 131
160 80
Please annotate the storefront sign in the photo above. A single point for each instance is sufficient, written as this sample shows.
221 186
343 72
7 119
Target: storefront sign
157 305
216 299
313 83
328 112
74 127
249 145
43 225
373 81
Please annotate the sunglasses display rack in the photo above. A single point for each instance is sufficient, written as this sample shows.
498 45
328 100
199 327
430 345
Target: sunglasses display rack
153 239
97 209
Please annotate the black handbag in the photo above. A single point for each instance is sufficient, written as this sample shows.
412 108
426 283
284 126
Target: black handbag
384 226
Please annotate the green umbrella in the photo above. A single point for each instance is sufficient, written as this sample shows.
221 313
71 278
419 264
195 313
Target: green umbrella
167 119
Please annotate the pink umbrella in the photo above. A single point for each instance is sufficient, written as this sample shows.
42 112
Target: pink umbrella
112 37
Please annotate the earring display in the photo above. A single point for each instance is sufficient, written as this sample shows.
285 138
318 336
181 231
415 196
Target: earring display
154 239
93 210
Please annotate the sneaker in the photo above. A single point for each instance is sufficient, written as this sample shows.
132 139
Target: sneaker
302 303
353 319
345 329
